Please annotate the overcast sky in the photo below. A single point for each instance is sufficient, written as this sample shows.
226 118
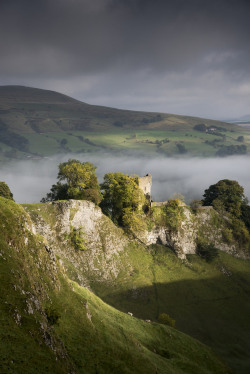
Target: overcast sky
181 56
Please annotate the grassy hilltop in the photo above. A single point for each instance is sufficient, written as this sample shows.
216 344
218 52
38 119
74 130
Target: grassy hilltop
51 324
35 122
54 314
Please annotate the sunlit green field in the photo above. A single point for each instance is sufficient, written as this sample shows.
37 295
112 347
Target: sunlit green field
165 142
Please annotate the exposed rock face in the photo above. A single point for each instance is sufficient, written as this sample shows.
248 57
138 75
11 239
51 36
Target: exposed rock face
211 225
205 224
104 240
181 241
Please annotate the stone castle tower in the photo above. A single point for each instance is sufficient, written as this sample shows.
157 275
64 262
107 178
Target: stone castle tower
145 184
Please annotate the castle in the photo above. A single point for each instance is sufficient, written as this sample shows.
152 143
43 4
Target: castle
145 184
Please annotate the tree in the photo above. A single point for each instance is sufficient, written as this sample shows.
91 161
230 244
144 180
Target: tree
80 182
63 142
225 195
200 127
241 139
181 148
122 198
5 191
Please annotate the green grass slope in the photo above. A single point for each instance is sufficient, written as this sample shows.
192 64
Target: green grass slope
50 324
41 122
209 301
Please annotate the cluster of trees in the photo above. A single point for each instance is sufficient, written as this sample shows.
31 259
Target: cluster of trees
76 180
229 150
119 195
123 201
227 197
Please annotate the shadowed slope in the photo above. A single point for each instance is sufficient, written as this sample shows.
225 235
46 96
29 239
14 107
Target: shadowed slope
50 324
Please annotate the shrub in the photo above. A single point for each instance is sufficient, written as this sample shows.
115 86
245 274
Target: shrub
52 316
133 220
195 205
77 239
174 214
165 319
5 191
207 251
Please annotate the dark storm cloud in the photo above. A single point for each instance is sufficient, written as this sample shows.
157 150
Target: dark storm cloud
182 56
62 36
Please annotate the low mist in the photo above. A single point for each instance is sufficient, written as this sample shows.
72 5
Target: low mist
30 180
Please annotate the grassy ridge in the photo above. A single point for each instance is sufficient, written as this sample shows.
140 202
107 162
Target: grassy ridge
209 301
44 118
50 324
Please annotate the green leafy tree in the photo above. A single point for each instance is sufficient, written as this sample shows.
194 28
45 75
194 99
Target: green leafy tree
122 198
5 191
76 180
225 195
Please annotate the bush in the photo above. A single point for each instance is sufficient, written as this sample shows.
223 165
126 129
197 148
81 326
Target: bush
207 251
165 319
133 220
5 191
195 205
52 316
77 239
174 214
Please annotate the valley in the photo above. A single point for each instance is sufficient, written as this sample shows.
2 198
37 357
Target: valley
36 123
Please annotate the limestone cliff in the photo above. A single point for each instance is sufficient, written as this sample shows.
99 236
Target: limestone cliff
105 242
205 224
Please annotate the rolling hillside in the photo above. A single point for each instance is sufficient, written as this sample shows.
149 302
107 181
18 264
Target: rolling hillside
208 300
51 323
35 122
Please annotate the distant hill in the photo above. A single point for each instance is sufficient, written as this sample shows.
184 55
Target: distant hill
243 121
41 122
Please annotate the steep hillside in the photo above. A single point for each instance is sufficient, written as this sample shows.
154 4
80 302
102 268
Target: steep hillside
50 323
40 123
208 300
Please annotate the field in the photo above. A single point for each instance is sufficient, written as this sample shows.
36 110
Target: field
164 142
38 123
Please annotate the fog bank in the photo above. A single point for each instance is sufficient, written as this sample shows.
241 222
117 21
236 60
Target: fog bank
30 180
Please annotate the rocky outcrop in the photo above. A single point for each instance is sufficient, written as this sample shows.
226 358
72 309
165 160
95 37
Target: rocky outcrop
182 241
205 225
104 241
54 221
